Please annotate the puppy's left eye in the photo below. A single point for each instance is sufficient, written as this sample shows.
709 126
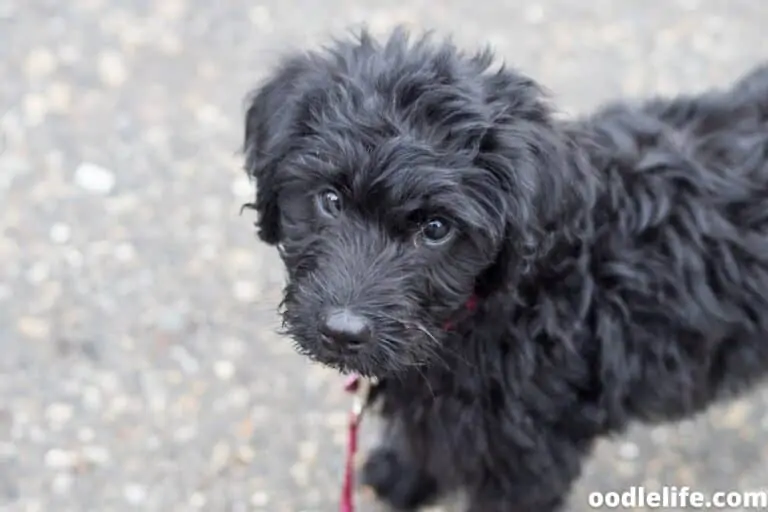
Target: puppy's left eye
436 230
329 203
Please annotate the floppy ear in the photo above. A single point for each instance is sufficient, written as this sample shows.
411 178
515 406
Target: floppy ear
269 128
530 157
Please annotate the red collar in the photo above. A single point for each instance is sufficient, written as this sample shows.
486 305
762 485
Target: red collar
352 385
470 306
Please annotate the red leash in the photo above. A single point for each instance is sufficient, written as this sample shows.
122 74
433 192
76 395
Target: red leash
362 402
347 491
352 385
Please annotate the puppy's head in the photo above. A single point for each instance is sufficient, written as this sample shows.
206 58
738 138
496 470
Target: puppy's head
397 180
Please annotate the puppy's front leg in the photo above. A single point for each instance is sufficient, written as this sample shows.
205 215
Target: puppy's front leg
396 478
538 480
490 500
397 482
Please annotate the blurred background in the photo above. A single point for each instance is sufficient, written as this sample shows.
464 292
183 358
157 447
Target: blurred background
139 369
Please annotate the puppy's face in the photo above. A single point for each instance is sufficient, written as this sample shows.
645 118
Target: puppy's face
387 180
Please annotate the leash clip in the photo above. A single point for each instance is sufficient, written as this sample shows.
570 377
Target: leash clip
364 391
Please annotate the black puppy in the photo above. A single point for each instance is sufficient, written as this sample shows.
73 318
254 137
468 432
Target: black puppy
521 284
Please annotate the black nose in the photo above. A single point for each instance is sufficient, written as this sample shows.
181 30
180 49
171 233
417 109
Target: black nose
342 326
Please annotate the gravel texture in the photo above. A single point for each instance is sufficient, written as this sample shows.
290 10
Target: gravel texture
139 366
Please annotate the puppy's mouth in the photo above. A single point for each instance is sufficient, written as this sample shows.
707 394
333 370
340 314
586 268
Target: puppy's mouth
384 354
356 359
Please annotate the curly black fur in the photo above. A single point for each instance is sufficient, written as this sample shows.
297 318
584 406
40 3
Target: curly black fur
620 260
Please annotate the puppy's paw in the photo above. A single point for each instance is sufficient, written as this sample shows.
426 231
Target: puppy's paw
399 485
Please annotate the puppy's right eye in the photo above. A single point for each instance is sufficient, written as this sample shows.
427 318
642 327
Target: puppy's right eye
329 203
435 231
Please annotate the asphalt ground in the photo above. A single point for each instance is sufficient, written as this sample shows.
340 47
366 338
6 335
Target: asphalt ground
139 368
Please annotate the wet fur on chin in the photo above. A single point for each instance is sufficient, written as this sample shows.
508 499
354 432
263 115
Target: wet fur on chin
620 259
